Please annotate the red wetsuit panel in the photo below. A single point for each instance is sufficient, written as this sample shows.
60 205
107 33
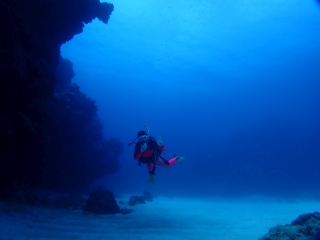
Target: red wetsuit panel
147 153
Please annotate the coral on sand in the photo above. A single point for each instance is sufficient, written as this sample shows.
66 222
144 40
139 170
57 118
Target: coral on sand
101 202
305 227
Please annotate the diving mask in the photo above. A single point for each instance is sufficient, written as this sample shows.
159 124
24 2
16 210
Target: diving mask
143 138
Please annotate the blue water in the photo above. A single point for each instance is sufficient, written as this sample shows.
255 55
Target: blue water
231 85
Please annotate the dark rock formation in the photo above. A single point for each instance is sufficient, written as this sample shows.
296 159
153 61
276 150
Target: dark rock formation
72 201
25 195
134 200
305 227
76 153
126 211
31 35
101 202
64 73
147 196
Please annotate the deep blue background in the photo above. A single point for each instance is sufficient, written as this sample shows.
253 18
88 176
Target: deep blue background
231 85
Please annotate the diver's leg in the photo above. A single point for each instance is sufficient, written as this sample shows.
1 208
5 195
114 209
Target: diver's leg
152 168
171 162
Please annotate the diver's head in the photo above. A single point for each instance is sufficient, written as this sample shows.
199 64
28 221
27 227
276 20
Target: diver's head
143 136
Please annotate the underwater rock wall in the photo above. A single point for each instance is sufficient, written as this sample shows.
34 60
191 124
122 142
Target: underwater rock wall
31 35
76 153
64 73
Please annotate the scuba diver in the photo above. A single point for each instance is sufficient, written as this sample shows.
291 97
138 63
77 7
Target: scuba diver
148 150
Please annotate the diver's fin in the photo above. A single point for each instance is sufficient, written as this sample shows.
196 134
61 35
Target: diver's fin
151 179
179 158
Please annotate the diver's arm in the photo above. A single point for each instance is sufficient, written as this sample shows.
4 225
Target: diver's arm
137 155
162 148
137 152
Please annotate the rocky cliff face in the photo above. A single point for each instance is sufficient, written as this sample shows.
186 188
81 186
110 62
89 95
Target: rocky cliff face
31 35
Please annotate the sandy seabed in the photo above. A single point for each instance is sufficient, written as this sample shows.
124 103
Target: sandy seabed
163 218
